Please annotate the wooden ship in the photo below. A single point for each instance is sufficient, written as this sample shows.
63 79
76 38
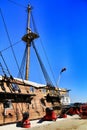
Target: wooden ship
19 95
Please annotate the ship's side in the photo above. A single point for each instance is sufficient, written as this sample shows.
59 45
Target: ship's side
17 97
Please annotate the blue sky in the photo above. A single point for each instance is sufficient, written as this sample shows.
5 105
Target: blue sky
62 26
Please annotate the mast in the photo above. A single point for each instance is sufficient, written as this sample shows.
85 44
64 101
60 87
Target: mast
28 38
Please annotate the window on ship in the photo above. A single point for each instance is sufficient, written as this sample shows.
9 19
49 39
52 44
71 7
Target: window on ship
31 89
7 104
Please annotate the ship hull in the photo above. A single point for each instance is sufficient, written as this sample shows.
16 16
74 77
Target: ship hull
30 98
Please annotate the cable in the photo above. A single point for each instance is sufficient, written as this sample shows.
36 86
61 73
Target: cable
10 46
22 63
5 63
35 29
43 48
10 41
46 76
48 61
17 3
2 68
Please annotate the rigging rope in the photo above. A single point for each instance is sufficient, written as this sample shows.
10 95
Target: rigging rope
11 86
48 61
10 41
5 63
35 29
34 25
10 46
16 3
45 73
2 68
46 76
23 63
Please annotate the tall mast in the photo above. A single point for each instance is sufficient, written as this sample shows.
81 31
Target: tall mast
28 38
28 46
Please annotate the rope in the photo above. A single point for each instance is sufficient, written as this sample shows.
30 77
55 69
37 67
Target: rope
35 29
16 3
22 63
10 46
46 76
2 68
43 48
10 41
48 61
5 63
